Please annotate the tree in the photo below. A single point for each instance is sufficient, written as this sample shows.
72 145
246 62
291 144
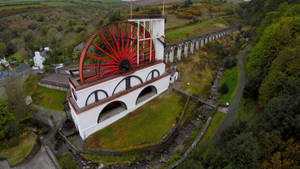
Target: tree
2 49
9 126
282 113
282 77
41 18
242 151
16 97
252 86
232 131
285 157
154 11
116 16
187 3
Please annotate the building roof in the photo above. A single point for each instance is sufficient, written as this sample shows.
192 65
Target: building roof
21 68
3 74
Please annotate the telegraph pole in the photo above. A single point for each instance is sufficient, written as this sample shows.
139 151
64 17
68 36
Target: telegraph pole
163 11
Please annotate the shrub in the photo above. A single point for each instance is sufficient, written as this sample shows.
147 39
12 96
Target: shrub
41 18
223 89
230 63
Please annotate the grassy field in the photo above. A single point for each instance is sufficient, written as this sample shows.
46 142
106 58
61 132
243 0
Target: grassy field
188 31
231 78
173 22
17 153
31 3
44 97
196 74
145 126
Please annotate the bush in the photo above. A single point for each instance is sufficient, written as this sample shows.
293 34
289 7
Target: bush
223 89
230 63
41 18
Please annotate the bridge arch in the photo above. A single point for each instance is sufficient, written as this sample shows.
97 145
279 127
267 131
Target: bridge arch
111 110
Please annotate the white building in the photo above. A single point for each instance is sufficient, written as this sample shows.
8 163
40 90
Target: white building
38 60
4 62
99 103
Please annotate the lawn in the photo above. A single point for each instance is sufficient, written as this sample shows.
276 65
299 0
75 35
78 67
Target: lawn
189 31
144 126
42 96
49 98
231 78
196 74
17 153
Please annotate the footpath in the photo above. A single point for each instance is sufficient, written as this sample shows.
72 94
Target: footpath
230 116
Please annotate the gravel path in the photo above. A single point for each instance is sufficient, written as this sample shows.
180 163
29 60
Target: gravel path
230 116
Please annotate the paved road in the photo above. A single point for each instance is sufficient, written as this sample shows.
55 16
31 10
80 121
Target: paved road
40 161
230 116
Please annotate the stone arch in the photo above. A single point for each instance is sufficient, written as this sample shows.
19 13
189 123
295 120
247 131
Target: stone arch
145 94
96 96
127 83
111 110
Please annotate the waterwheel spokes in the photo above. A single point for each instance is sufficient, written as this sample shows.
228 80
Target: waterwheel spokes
111 45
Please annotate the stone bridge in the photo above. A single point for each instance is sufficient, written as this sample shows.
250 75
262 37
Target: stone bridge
182 49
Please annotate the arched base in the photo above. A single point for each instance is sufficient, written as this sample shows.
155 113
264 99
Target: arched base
146 94
99 117
111 110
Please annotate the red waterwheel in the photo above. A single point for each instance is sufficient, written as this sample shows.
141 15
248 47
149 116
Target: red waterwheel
115 49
